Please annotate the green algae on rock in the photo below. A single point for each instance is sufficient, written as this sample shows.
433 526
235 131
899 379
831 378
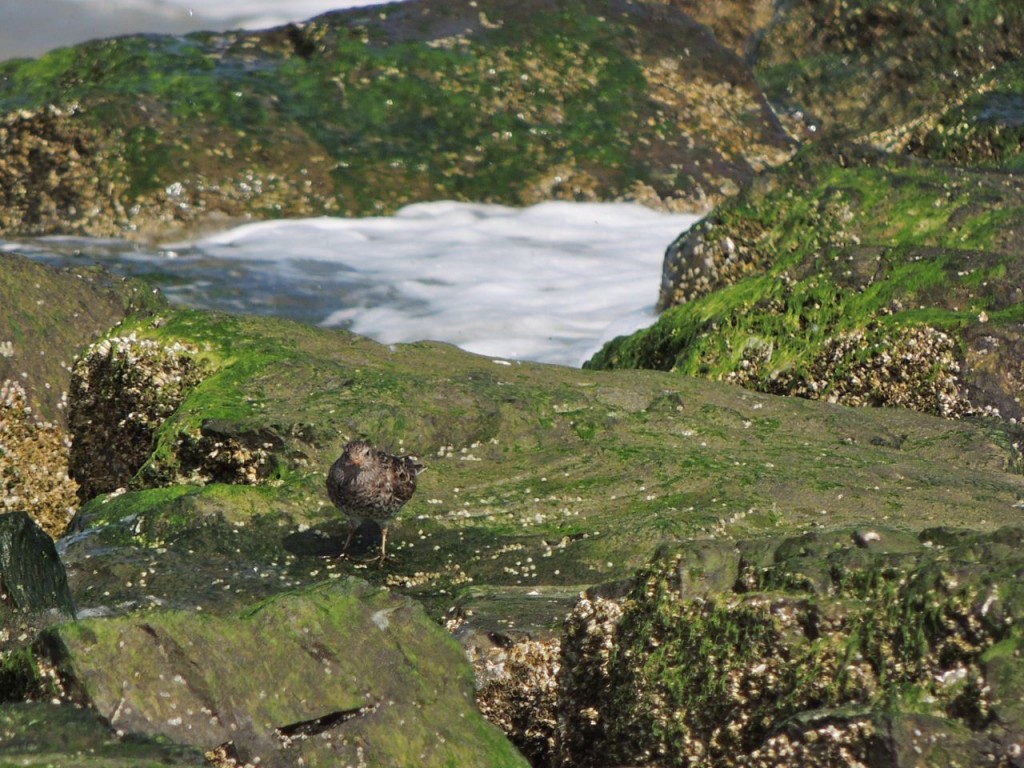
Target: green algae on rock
850 276
338 671
531 468
838 648
541 481
359 112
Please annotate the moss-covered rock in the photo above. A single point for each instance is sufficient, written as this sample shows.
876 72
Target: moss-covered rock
540 480
851 647
531 469
362 111
338 672
854 277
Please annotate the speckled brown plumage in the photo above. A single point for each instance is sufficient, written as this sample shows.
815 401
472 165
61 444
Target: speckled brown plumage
368 484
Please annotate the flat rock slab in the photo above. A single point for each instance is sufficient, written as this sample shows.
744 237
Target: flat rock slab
538 477
335 674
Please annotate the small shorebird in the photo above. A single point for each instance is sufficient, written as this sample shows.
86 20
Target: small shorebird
367 484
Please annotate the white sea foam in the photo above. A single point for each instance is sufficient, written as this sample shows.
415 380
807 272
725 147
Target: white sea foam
548 283
32 27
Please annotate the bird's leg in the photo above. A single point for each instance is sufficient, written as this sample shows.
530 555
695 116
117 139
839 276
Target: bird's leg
383 544
351 534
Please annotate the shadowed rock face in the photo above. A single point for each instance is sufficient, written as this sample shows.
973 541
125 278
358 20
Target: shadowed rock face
360 112
122 390
32 578
58 734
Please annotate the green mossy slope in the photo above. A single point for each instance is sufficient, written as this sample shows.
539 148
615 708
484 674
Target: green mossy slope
850 276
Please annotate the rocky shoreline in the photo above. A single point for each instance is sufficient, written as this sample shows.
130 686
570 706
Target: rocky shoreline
615 567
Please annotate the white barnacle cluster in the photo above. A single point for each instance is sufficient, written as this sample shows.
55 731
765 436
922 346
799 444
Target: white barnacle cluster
914 367
518 691
139 369
830 744
225 460
122 390
12 395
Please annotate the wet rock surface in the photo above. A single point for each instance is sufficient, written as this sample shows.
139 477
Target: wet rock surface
32 577
540 482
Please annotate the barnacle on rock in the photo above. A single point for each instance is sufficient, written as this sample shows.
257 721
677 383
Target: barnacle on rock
875 654
912 367
33 464
585 679
122 390
522 697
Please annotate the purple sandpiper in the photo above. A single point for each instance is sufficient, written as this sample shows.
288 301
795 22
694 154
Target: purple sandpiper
368 484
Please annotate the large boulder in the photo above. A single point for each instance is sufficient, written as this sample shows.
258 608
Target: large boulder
360 112
531 470
540 481
337 673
